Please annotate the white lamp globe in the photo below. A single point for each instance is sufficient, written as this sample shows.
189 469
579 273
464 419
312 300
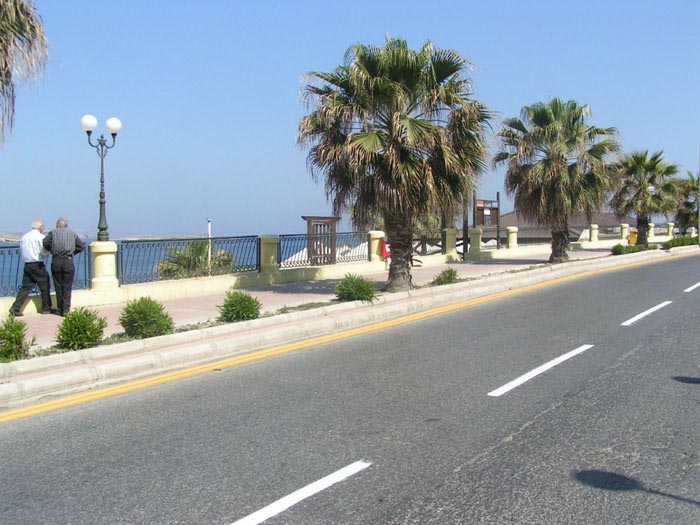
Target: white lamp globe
88 122
113 125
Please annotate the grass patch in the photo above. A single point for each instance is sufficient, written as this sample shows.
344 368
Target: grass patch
303 307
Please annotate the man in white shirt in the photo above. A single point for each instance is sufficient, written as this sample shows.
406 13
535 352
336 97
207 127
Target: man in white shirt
33 255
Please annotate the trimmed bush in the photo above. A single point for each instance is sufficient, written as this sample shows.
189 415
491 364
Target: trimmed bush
355 288
145 317
621 249
447 276
81 328
680 241
13 343
239 306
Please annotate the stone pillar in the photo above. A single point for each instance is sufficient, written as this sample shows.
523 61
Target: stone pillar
512 242
475 241
594 233
375 253
268 253
450 247
104 264
650 231
624 231
669 229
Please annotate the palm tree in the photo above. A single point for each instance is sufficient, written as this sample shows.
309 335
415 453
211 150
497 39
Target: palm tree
646 187
23 54
394 134
556 165
688 211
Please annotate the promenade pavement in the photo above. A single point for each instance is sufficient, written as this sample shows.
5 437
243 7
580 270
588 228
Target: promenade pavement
32 380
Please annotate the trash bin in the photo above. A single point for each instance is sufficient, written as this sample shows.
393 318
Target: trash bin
633 237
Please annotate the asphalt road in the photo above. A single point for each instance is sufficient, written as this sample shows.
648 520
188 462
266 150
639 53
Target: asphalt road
425 415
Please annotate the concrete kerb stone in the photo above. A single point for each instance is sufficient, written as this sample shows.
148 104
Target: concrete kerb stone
94 367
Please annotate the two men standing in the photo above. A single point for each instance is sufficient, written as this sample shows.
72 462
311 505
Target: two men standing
62 244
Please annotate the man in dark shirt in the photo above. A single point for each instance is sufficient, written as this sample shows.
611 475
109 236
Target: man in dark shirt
63 244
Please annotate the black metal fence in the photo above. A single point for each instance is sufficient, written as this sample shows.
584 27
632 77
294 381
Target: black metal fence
11 268
428 242
150 260
300 250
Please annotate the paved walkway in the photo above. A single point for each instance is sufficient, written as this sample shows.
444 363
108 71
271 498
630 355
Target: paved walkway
202 309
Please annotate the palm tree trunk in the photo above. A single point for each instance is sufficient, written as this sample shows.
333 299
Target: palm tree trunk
642 231
560 241
399 231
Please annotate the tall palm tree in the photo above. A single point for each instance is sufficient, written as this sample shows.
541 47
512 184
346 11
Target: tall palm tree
556 165
646 187
23 54
688 211
394 134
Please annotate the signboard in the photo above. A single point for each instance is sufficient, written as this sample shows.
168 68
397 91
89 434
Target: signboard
486 212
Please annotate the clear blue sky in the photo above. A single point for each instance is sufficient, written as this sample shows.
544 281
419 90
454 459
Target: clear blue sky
208 93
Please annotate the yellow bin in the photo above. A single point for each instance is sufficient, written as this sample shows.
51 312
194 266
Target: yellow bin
633 237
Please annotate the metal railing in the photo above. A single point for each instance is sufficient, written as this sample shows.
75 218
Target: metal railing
12 267
150 260
351 247
428 242
299 250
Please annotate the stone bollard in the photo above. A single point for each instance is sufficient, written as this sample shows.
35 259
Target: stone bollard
450 248
475 242
104 264
375 253
512 239
624 231
650 231
268 254
594 233
669 229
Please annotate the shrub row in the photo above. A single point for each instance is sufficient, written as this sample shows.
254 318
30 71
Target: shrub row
146 317
140 318
621 249
680 241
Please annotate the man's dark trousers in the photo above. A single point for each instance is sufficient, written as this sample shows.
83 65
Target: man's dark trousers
34 274
62 271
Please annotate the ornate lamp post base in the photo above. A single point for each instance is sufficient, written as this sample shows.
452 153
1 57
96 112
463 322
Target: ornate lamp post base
104 264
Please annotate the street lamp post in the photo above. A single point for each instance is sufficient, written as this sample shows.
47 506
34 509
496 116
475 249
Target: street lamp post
113 125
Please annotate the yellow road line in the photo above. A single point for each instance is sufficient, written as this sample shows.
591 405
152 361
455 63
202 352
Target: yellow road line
93 395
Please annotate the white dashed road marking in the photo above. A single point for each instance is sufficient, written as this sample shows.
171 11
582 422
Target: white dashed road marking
295 497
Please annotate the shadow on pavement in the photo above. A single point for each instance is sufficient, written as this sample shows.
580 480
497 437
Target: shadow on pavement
687 380
602 479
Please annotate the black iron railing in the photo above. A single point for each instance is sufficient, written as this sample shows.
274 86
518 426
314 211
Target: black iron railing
428 242
299 250
11 269
351 247
150 260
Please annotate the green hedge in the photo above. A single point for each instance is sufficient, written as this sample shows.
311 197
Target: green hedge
681 241
621 249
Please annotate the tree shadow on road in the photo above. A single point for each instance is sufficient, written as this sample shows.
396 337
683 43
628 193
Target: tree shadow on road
602 479
687 380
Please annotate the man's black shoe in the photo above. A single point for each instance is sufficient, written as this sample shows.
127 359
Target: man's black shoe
52 311
16 314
